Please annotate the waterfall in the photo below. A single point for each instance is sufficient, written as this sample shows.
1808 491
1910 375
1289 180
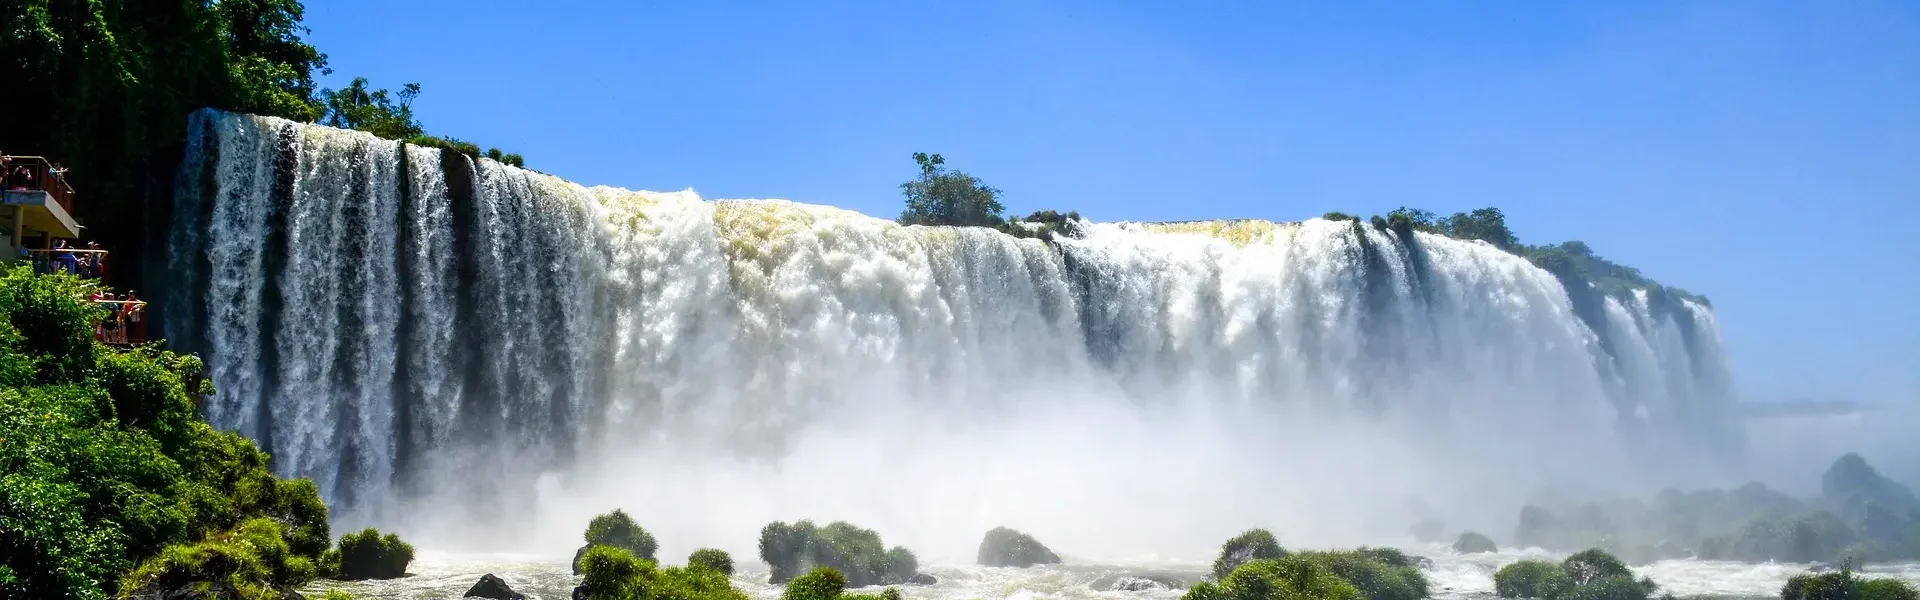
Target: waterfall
401 324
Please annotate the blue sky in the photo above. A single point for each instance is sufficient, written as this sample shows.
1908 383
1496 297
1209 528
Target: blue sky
1766 154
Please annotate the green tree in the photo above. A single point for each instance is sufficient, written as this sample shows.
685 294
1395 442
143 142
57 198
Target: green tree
1483 224
374 111
940 196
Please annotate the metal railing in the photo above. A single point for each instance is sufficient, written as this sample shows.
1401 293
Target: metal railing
37 173
49 260
127 326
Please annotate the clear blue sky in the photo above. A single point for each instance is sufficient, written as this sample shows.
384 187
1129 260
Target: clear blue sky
1766 154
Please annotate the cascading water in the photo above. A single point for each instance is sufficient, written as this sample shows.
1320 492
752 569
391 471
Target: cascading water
441 342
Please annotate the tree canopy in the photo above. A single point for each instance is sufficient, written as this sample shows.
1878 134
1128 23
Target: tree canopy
941 196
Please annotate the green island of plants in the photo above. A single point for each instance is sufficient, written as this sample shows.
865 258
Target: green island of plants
617 529
1843 584
613 573
1587 575
112 484
857 554
1253 566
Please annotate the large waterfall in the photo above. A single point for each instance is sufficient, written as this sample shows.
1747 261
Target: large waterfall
437 340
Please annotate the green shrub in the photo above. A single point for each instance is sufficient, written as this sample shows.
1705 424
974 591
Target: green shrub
822 583
1474 543
1591 565
1003 547
252 560
711 559
617 529
1287 578
108 466
856 553
1615 587
1884 589
610 573
1251 545
369 555
337 595
1530 579
1376 578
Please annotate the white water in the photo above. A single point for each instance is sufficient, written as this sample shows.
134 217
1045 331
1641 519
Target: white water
488 370
444 576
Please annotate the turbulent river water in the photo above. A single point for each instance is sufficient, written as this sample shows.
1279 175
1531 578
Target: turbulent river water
482 357
438 576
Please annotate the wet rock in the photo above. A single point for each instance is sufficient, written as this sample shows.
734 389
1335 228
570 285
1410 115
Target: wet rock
1138 582
493 587
922 579
577 555
580 592
1003 547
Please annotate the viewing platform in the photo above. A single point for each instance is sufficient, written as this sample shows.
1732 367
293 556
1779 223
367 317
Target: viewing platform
36 204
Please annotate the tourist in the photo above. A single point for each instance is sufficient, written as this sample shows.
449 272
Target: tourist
99 261
132 311
64 256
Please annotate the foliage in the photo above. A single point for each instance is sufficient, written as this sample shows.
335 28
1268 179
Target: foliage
1378 576
822 583
253 561
611 573
856 553
711 559
107 466
369 555
1251 545
1003 547
1587 575
940 196
1284 578
1474 543
618 529
1843 584
372 111
1530 579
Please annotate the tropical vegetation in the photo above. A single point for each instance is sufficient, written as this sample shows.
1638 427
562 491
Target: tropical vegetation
856 553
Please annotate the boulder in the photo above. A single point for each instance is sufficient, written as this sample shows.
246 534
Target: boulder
922 579
1003 547
579 554
493 587
1138 582
1474 543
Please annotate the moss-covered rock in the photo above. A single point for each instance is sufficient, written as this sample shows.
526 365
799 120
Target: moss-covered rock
1587 575
1251 545
1286 578
711 559
617 529
856 553
1474 543
1378 573
251 561
1003 547
1530 579
610 573
369 555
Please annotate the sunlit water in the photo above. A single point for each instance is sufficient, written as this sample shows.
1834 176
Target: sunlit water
437 576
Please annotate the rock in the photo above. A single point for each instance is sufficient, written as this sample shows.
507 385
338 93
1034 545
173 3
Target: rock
1138 582
1474 543
1003 547
922 579
493 587
579 554
579 592
1422 562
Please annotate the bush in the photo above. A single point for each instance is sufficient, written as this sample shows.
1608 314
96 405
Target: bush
617 529
1251 545
368 555
822 583
713 560
1587 575
1530 579
856 553
108 466
251 561
1474 543
610 573
1884 589
1376 575
1003 547
1287 578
